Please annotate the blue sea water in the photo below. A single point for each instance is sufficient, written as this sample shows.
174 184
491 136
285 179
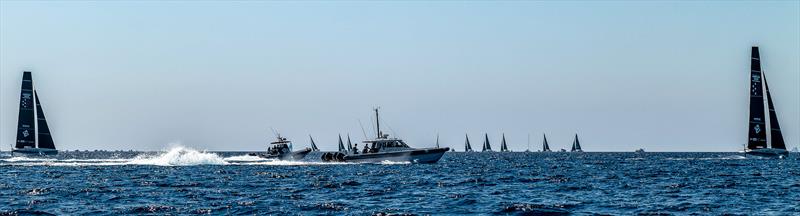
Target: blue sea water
184 181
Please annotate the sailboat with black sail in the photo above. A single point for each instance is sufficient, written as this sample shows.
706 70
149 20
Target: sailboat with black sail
385 148
576 145
545 146
503 145
313 145
33 133
487 147
467 146
341 145
764 137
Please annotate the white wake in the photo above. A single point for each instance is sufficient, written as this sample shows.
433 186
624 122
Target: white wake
179 156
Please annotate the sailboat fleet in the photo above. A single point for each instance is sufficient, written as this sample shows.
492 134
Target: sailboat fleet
765 138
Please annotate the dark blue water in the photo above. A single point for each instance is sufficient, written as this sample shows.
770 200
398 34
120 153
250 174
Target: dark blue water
188 182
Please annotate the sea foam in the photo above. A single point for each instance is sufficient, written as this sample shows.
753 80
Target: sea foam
180 156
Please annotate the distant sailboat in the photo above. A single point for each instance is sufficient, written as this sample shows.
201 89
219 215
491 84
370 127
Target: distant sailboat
576 145
528 148
764 137
349 144
341 145
467 146
437 140
486 145
33 134
313 145
503 145
545 146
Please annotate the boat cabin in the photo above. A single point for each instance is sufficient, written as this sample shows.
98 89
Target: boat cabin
385 144
282 145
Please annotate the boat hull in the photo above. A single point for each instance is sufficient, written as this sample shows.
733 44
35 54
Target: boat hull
431 155
34 152
295 155
768 152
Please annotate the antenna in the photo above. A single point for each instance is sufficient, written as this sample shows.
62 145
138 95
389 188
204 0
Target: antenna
377 122
362 129
275 132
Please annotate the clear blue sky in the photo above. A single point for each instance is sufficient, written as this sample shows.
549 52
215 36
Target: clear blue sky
665 76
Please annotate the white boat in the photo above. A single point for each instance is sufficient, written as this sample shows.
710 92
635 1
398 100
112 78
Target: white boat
384 148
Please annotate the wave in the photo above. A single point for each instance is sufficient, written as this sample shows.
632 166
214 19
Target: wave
730 157
180 156
394 162
244 158
26 159
291 163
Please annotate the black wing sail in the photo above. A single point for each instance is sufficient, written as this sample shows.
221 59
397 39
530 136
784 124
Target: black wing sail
43 134
576 145
503 146
776 137
545 147
349 144
341 145
26 128
313 145
467 146
756 136
486 145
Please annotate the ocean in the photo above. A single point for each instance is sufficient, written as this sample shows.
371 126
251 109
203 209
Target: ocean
185 181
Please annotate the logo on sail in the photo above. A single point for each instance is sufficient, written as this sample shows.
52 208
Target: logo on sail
26 100
757 128
25 133
756 78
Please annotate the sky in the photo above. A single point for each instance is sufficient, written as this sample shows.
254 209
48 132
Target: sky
219 76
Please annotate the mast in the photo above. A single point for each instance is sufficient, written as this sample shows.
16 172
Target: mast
35 117
378 123
529 142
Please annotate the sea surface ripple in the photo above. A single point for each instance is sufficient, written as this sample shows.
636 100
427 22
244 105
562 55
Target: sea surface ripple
185 181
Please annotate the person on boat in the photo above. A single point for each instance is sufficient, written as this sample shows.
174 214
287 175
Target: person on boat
355 149
366 148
